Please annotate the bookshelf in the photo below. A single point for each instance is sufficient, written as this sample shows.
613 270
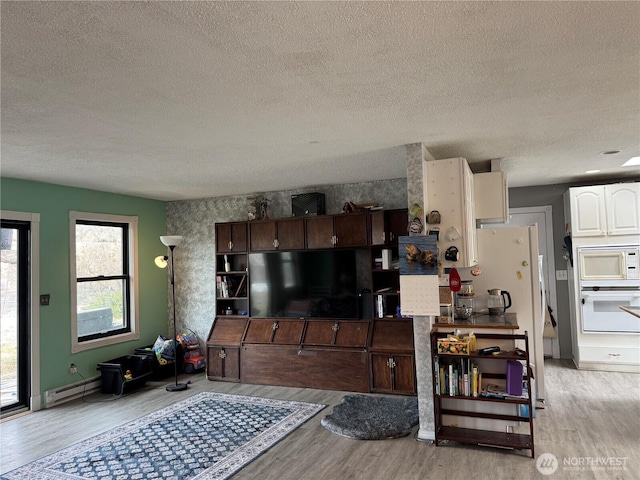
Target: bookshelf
484 398
231 285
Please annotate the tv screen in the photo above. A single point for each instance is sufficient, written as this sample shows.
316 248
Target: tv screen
318 283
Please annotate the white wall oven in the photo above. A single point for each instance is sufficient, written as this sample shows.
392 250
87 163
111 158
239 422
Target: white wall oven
609 279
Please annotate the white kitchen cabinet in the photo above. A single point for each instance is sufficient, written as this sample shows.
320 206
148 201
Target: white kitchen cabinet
491 197
449 189
602 210
622 203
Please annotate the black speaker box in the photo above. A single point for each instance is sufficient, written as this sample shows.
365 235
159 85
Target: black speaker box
305 204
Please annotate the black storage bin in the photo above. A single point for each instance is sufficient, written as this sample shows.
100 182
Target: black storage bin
113 372
159 371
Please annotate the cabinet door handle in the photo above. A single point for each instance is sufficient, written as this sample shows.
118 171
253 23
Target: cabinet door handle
276 243
391 236
274 327
391 363
384 237
335 327
222 354
230 245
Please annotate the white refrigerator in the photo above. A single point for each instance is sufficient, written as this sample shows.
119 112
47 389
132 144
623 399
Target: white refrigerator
509 260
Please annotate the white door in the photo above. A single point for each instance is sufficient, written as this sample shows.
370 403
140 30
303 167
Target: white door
542 217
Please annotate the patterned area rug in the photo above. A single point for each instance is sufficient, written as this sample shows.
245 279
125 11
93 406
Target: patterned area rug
207 436
368 417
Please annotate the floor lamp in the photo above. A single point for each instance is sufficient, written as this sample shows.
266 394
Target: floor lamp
172 241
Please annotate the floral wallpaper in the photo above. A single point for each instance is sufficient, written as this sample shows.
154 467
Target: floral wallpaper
195 257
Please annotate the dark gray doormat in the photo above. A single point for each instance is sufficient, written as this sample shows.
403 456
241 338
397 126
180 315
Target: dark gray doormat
368 417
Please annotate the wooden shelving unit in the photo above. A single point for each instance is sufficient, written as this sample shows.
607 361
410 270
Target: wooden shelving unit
454 405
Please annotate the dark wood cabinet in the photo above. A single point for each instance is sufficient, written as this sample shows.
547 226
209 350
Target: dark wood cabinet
393 373
232 284
223 363
387 225
351 230
392 336
231 237
274 331
337 231
223 349
319 231
271 235
345 333
359 355
392 359
334 369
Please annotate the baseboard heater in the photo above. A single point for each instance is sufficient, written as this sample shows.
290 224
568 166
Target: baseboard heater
72 391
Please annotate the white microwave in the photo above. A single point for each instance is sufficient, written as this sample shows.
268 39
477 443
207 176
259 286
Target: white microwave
609 266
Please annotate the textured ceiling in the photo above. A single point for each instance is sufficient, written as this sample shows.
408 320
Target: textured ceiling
178 100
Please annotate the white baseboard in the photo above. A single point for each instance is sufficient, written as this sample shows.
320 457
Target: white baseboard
609 367
72 391
426 435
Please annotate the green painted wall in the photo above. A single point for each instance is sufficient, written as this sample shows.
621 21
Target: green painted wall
53 203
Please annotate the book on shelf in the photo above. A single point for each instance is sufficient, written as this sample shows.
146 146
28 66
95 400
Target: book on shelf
452 384
240 285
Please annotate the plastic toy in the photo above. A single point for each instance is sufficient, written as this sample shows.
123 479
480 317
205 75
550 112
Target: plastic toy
194 360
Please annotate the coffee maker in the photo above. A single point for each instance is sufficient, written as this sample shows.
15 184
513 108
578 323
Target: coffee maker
498 301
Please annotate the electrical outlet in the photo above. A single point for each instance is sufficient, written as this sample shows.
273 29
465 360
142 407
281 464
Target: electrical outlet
73 368
561 275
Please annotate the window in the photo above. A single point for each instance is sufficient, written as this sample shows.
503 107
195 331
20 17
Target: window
104 306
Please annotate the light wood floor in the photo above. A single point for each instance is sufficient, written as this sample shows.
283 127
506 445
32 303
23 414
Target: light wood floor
589 415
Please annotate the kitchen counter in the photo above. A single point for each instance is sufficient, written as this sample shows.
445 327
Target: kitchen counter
508 321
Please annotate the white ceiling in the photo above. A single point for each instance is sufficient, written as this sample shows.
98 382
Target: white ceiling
180 100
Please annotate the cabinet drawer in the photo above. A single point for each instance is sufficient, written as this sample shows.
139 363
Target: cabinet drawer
604 354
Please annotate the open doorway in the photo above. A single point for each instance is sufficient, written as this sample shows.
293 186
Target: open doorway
542 217
15 377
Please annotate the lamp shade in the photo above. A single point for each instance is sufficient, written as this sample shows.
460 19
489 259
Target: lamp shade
171 240
162 261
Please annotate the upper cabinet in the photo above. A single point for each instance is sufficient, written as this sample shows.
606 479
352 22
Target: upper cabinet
387 226
449 189
491 197
602 210
231 237
269 235
335 231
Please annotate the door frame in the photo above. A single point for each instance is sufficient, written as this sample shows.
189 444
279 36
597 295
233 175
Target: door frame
35 399
547 210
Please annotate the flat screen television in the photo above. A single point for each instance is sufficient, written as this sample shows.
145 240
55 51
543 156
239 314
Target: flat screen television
318 283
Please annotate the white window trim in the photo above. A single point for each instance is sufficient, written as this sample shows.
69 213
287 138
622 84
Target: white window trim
132 221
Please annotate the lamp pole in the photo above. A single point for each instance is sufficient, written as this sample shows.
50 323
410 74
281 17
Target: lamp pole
176 387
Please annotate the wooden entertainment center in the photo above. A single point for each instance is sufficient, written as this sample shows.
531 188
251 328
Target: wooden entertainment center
371 353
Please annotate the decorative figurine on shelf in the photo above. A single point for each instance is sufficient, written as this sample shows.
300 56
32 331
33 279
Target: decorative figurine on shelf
252 211
128 376
264 203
